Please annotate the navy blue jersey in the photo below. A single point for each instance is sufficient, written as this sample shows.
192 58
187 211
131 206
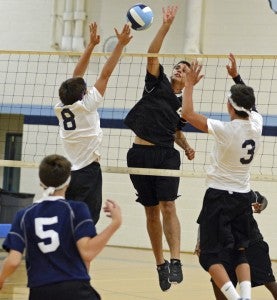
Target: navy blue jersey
157 115
49 230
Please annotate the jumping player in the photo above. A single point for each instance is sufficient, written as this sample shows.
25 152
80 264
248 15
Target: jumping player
224 218
79 123
157 124
59 237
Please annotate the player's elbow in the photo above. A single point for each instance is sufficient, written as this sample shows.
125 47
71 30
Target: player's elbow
186 115
14 259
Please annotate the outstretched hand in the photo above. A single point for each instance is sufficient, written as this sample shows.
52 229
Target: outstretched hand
169 14
94 37
192 74
232 66
124 37
112 210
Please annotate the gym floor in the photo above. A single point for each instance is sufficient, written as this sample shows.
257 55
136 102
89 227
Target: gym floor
130 274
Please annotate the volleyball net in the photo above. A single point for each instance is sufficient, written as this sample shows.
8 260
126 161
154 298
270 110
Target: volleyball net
29 83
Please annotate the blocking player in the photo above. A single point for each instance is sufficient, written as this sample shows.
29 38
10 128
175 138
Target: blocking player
257 255
79 122
224 218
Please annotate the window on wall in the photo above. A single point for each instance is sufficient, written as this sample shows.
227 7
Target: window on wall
11 178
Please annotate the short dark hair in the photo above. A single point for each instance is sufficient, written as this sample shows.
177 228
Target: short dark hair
72 90
54 170
182 62
243 96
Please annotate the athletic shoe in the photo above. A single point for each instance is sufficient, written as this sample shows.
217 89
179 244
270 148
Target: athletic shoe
175 271
163 271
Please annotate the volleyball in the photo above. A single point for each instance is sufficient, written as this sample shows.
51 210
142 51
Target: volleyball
140 17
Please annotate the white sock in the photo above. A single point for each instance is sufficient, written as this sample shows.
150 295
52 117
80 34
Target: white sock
245 289
229 291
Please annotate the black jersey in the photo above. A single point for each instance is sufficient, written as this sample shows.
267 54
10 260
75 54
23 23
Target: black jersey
156 116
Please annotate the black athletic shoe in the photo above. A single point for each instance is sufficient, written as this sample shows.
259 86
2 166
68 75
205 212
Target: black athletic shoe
175 271
163 271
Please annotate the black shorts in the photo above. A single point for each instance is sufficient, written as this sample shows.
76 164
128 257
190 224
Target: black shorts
86 186
68 290
260 263
153 189
258 258
224 220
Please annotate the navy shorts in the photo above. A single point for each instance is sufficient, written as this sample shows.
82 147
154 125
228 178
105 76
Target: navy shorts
86 185
153 189
224 220
67 290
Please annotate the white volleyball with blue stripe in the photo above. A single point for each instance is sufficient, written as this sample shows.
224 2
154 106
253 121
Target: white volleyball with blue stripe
140 16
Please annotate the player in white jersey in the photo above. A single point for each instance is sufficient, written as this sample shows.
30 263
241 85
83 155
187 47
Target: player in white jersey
79 123
224 218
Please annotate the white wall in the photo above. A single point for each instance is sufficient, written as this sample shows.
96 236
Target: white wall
241 27
244 27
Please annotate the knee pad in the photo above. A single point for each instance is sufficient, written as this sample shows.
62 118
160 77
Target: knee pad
239 257
208 259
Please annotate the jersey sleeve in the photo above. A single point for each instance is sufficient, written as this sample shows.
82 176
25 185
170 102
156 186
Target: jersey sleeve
92 99
218 129
152 81
83 225
15 238
238 80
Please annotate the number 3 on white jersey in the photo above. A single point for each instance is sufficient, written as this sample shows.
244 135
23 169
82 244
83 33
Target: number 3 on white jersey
47 234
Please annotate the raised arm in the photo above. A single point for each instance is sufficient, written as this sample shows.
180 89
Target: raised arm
156 44
233 70
123 39
83 62
192 76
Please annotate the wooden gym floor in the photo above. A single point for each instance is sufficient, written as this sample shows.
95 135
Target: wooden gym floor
130 274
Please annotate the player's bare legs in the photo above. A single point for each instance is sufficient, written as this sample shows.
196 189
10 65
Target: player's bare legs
171 227
222 280
243 272
272 287
155 231
217 292
172 232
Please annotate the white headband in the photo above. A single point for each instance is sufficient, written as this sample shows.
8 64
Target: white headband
49 190
236 107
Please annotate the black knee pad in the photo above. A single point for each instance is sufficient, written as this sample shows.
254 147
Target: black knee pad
208 259
239 257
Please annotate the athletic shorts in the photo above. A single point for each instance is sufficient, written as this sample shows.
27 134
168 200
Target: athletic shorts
86 185
68 290
224 220
260 263
258 258
153 189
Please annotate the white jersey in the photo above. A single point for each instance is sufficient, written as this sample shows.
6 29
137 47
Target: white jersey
236 143
80 130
